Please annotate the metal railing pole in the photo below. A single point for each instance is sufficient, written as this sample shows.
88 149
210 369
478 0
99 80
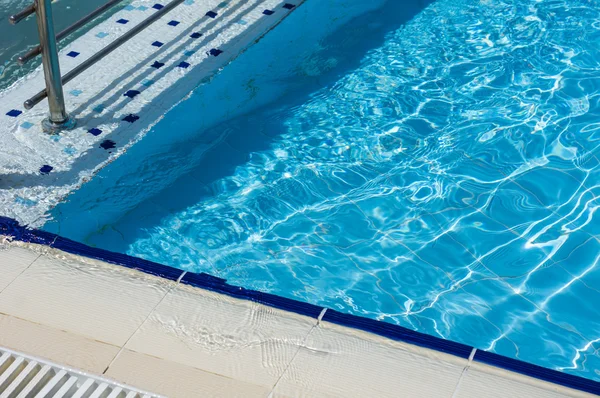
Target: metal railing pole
56 101
67 31
36 99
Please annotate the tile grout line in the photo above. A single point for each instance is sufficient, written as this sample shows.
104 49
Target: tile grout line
20 273
142 324
323 311
464 373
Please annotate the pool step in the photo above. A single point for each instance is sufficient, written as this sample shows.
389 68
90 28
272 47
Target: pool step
123 96
22 376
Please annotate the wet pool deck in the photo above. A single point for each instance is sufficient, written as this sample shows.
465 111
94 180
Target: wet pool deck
119 99
162 335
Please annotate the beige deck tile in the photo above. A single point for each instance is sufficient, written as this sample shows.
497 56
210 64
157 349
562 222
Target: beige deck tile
234 338
92 299
55 345
176 380
499 383
343 362
13 261
195 343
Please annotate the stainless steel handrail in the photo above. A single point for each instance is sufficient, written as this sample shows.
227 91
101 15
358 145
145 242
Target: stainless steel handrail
59 118
56 101
23 59
21 15
33 101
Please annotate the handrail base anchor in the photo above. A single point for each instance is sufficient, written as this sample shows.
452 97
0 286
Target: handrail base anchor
53 128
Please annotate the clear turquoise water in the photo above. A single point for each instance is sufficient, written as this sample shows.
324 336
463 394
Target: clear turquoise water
430 165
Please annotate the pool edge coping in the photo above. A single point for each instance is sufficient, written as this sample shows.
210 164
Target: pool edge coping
12 229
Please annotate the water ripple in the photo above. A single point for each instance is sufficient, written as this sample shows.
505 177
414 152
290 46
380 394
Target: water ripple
449 183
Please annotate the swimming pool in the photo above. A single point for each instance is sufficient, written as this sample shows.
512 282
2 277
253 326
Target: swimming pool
430 164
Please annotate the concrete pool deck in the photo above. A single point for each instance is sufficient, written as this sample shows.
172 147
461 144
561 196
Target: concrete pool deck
162 334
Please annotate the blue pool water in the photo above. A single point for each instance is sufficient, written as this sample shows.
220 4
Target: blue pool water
430 164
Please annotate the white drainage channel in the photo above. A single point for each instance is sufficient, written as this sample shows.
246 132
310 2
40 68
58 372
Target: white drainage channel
22 376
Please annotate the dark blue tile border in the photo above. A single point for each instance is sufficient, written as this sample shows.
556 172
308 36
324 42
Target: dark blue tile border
399 333
10 227
538 372
124 260
219 285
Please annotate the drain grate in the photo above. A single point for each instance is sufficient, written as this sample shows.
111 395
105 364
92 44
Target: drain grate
22 376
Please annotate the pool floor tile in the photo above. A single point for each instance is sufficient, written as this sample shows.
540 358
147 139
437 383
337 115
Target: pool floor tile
328 366
481 377
85 299
16 261
68 349
211 332
174 379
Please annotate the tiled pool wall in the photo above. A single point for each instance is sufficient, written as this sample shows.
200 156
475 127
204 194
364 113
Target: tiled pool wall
13 231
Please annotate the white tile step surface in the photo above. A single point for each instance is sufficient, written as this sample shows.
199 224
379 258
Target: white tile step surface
23 376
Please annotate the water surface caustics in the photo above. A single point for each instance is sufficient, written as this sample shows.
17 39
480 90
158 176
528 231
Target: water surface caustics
449 184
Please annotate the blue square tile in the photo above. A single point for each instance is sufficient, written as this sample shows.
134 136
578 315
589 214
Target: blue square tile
46 169
70 150
242 22
142 8
73 54
99 108
108 144
222 4
183 65
76 92
157 44
147 82
26 125
122 21
14 113
95 131
215 52
173 23
131 118
157 65
288 6
188 2
268 12
25 202
196 35
157 6
101 35
129 7
131 93
189 53
211 14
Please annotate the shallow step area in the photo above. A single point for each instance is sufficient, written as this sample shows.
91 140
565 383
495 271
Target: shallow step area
25 376
120 98
189 335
